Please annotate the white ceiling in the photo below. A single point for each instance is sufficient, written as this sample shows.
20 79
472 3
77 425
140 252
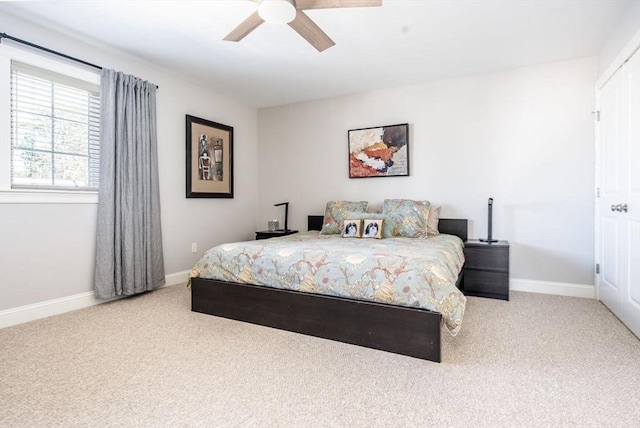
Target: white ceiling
402 42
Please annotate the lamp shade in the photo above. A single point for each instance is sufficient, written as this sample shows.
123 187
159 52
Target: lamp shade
277 11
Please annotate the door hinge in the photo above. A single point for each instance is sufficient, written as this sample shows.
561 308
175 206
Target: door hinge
597 113
597 192
597 267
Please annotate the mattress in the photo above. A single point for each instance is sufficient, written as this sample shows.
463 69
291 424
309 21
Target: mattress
409 272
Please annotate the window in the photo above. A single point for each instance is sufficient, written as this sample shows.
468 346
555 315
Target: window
55 130
32 167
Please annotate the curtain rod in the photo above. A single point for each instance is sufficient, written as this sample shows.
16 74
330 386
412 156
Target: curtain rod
42 48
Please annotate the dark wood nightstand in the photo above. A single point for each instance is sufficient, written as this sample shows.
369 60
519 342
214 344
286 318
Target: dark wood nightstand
265 234
486 269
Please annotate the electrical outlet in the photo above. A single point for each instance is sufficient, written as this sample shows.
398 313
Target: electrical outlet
194 247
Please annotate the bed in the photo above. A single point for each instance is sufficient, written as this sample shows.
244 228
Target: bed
405 330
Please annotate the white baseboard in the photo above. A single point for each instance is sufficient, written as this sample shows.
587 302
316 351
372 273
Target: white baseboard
48 308
558 288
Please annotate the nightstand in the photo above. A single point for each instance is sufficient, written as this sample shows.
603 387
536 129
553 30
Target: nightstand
486 269
266 234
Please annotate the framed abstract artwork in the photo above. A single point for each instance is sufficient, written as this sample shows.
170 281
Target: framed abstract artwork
209 159
381 151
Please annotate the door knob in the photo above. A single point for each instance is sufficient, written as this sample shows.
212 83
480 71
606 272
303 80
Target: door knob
619 208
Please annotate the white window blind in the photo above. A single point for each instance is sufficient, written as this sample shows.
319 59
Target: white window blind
55 130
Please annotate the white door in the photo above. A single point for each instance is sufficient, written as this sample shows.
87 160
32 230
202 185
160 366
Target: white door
619 187
631 299
609 280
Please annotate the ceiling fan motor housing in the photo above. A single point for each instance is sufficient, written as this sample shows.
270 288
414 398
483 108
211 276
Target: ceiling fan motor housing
277 11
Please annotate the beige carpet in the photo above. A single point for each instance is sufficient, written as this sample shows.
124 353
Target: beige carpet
537 360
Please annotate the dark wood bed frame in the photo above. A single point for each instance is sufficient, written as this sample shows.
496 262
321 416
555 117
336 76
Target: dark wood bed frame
402 330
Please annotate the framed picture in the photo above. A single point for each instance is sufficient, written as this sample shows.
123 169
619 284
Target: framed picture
351 228
372 228
382 151
209 159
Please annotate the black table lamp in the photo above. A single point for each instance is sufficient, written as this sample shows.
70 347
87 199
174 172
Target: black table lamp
490 224
286 215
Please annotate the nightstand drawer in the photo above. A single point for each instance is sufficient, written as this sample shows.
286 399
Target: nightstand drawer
486 284
487 258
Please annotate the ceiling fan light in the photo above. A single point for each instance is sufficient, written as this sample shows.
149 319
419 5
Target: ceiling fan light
277 11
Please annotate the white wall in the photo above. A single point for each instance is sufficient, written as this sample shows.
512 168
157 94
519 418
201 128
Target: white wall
47 250
523 136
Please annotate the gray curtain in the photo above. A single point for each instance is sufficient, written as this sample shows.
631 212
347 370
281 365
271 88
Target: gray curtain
129 257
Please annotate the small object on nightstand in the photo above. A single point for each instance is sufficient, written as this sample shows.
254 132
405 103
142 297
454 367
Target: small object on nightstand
286 215
266 234
486 269
273 225
489 239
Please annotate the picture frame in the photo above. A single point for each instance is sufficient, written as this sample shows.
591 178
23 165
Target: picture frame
209 159
381 151
352 228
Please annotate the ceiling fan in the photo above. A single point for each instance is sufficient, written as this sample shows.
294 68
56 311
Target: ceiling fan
291 12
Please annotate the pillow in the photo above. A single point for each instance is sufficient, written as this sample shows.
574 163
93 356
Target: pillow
351 228
364 216
336 212
432 222
406 218
367 219
372 228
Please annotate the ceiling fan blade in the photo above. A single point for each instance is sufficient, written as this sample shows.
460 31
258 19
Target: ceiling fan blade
247 26
311 32
330 4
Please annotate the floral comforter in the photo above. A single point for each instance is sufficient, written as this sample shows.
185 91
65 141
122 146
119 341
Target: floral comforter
401 271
